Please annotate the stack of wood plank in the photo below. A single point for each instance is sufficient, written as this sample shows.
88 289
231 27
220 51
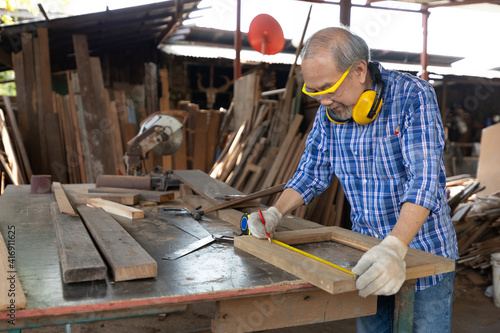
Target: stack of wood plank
476 220
74 137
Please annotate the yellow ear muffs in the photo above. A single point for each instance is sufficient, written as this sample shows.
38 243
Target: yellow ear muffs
362 112
369 103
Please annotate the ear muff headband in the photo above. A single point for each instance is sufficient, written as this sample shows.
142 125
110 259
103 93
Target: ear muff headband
370 102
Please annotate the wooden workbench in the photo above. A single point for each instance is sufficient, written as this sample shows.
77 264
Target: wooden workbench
247 290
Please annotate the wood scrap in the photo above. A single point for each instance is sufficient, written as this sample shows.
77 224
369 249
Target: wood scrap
116 208
127 259
80 261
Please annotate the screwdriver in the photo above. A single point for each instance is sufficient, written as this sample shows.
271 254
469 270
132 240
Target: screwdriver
264 223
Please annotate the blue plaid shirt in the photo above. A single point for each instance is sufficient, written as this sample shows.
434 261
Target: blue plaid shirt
380 170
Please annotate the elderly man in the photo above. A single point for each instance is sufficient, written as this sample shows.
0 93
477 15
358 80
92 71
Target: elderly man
380 132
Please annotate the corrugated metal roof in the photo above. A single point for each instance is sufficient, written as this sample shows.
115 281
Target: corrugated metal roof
110 31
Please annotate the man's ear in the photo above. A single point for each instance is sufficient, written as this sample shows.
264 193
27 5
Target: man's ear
360 71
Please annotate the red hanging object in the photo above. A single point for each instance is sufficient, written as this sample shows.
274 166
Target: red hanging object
265 35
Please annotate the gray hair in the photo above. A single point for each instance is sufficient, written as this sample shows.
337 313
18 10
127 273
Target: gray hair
345 47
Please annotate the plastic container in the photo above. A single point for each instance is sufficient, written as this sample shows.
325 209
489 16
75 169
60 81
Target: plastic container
495 262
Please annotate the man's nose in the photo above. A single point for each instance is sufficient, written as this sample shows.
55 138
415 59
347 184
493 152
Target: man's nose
326 101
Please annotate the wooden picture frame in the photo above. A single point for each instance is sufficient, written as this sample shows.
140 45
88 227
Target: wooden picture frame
418 263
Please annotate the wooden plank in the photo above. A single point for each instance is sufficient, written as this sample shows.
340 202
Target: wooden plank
12 297
17 136
155 196
289 310
126 258
21 98
80 261
246 94
165 93
65 206
32 138
489 160
70 99
212 138
38 106
99 148
116 208
200 141
59 169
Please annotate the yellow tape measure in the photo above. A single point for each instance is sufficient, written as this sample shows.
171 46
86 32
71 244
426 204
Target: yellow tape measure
311 256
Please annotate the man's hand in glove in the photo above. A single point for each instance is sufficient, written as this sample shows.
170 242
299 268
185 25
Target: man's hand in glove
272 217
382 270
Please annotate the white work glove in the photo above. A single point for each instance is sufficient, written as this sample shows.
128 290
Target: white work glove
272 217
382 270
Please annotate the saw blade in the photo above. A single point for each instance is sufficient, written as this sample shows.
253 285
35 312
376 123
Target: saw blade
190 248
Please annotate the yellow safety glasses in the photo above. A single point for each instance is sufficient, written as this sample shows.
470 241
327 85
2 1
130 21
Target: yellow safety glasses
330 93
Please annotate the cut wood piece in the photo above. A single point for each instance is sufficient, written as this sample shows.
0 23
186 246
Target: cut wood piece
79 258
65 206
116 208
126 258
9 278
156 196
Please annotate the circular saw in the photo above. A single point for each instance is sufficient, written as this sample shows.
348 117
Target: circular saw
160 133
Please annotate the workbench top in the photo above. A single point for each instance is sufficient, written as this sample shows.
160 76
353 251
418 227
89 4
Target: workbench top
213 272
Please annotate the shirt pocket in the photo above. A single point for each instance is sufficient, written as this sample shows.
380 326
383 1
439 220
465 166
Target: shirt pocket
388 158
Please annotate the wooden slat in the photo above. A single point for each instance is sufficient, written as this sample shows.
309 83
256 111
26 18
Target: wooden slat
116 208
65 206
155 196
80 261
126 258
9 278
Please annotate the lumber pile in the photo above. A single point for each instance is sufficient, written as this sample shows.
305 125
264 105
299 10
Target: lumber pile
476 220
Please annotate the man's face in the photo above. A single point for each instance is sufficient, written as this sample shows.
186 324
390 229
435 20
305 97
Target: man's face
320 74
